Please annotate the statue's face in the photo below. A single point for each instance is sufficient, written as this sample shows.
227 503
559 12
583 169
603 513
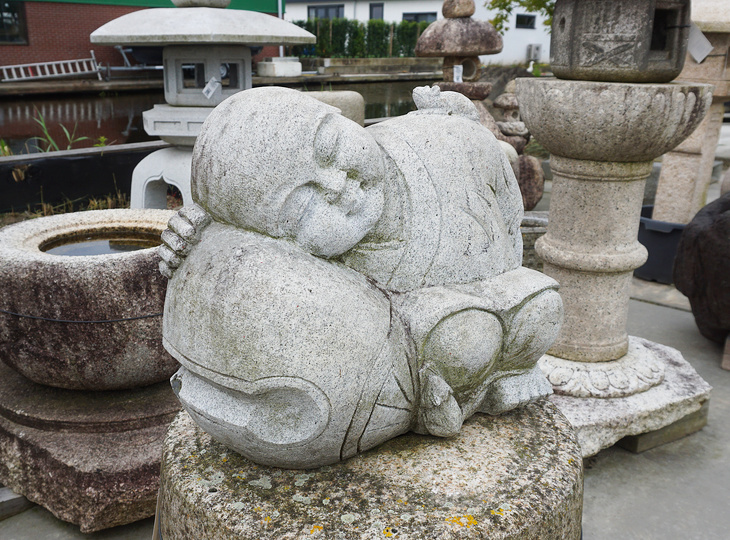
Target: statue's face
332 212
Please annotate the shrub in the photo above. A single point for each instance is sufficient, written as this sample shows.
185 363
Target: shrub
350 38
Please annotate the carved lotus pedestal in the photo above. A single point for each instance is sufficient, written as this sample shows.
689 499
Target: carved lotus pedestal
602 138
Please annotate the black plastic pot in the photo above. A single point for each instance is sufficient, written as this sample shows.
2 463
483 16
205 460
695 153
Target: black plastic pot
661 239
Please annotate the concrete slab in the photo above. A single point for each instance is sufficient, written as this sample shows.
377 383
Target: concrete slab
677 490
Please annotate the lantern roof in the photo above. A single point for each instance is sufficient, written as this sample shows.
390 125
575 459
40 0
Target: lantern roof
194 25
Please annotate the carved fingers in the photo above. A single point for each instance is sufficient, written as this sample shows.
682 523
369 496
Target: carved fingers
182 233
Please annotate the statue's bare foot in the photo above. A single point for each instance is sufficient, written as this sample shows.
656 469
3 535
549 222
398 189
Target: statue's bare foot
440 412
513 391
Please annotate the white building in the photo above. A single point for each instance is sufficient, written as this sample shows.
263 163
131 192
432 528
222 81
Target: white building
525 29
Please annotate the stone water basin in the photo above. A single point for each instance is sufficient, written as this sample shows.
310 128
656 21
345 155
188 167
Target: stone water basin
81 299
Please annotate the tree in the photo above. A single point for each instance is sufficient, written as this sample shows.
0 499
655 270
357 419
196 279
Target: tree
505 7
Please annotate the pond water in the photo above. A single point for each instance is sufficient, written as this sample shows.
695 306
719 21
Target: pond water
96 245
118 118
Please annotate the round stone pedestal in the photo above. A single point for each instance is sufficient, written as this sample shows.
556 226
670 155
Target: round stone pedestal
518 476
91 458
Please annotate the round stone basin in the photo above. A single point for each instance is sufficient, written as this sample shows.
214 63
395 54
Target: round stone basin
79 317
600 121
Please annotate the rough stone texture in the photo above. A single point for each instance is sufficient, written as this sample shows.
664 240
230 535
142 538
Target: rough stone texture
600 422
487 120
211 57
158 170
471 68
531 181
516 476
351 104
387 260
71 354
279 67
714 69
591 248
618 41
636 371
472 90
611 122
175 125
174 26
702 268
534 225
711 15
459 37
91 458
687 170
453 9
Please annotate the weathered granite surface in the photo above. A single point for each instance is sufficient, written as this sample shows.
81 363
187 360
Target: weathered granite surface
459 37
351 104
353 284
711 15
687 170
458 8
702 268
180 26
472 90
516 476
91 458
601 422
559 112
619 40
602 138
67 352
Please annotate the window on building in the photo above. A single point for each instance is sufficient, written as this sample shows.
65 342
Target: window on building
12 23
420 17
376 11
332 11
525 21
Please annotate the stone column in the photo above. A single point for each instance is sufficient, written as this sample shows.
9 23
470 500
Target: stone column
602 138
687 170
591 250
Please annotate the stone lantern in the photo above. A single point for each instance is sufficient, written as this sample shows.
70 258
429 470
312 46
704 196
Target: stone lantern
206 58
620 40
460 40
603 135
687 170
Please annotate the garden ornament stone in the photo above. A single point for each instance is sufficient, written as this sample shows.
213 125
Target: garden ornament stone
334 286
603 136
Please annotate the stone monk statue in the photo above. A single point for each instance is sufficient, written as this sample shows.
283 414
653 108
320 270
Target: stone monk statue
334 286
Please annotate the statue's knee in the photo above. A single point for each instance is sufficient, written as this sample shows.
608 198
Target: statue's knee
464 347
533 329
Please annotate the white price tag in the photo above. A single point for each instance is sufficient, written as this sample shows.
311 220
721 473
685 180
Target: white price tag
458 73
699 46
209 89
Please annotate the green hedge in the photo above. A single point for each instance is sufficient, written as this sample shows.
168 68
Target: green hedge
347 38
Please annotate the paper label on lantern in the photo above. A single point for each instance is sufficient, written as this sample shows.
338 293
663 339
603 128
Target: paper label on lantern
699 46
209 89
458 73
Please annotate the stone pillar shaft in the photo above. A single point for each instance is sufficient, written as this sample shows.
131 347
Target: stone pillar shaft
602 200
